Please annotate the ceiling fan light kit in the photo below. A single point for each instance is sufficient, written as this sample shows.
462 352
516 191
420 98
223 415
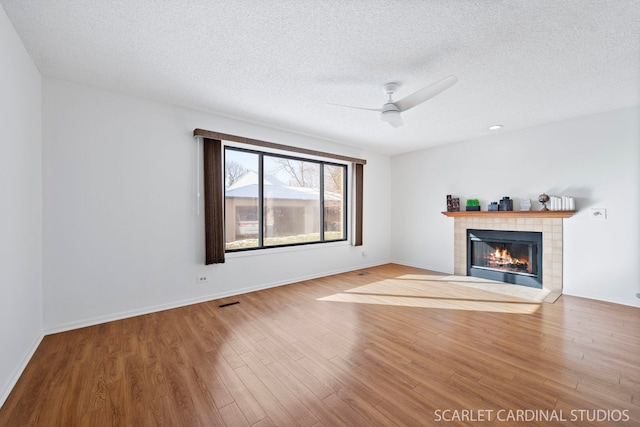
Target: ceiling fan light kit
390 112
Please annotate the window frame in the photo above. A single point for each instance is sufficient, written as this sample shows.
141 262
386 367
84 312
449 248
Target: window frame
321 161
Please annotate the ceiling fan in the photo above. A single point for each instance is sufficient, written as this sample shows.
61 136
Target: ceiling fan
390 112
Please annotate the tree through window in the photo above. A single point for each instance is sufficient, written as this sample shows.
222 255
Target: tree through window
274 200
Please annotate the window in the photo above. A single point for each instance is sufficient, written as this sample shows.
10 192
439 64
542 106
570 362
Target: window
252 213
276 200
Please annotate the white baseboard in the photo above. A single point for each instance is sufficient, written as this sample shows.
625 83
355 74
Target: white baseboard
603 299
424 267
54 329
21 367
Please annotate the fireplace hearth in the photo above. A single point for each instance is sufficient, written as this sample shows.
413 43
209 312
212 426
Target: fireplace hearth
508 256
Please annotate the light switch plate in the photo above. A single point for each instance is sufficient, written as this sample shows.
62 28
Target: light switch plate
598 214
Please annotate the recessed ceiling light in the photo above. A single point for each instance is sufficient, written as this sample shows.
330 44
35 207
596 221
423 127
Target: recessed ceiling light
495 127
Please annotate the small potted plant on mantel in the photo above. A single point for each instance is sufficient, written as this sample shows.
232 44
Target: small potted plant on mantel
473 205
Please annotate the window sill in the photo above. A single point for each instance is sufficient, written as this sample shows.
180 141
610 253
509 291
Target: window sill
285 249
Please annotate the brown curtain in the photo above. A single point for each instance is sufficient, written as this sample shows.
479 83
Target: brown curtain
359 175
213 201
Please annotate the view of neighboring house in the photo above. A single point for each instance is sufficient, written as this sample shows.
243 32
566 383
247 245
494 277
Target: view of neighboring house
288 210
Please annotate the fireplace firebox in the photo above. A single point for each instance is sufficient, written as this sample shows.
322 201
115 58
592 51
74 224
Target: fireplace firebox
508 256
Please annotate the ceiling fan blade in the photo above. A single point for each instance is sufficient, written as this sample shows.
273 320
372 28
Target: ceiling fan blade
357 108
425 93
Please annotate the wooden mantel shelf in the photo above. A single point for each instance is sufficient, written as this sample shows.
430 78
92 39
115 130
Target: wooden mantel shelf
513 214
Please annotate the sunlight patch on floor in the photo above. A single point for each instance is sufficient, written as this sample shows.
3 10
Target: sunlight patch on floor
526 292
430 291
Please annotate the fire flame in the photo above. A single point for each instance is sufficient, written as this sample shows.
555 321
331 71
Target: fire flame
504 254
502 257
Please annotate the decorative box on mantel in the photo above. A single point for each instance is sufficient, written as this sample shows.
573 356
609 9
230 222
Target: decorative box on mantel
549 223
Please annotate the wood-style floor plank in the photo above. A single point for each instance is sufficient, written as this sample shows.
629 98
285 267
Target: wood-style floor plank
394 346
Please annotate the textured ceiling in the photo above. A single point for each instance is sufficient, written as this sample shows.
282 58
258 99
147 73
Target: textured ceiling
519 63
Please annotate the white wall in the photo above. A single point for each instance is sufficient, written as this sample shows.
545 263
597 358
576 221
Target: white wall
20 207
595 159
121 234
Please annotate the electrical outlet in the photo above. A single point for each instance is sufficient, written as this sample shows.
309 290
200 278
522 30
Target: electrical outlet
201 279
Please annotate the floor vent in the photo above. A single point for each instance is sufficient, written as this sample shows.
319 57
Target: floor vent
228 304
363 273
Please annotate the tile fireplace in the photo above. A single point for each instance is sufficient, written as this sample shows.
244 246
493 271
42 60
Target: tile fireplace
550 229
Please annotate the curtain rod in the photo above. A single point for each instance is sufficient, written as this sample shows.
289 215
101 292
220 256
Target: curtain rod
226 137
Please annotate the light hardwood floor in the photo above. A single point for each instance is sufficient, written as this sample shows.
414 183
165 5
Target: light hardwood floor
383 346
